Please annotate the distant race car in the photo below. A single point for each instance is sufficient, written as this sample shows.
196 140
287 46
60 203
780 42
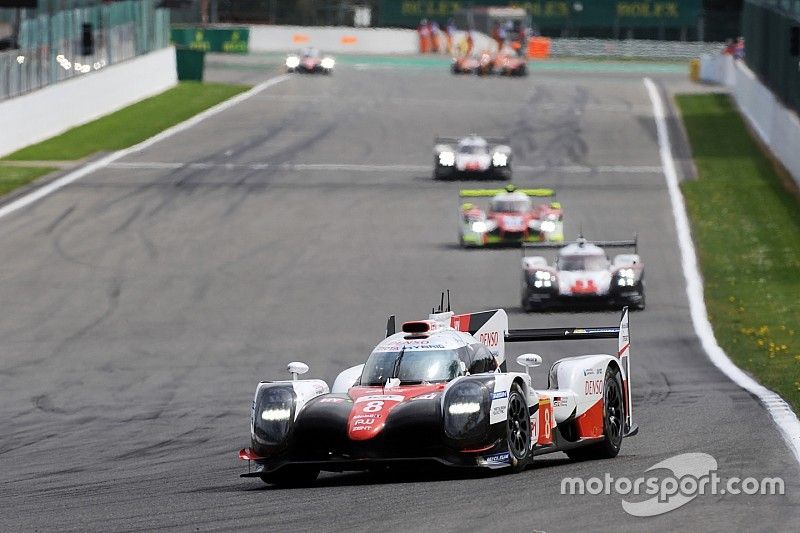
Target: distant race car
472 155
511 217
438 393
505 63
311 61
510 64
583 274
466 64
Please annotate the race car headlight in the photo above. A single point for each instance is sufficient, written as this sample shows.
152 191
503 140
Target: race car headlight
543 279
626 277
479 227
273 411
292 62
466 406
447 159
327 63
547 226
499 159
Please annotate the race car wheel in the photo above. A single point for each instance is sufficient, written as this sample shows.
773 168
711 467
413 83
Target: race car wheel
613 422
298 476
518 429
640 306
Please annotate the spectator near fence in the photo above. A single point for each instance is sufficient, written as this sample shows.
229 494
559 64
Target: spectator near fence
435 31
449 32
738 50
424 37
496 29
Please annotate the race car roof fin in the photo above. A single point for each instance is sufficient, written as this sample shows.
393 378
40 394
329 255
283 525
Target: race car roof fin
391 327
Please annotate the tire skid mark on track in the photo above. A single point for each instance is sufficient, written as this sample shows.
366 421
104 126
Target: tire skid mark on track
71 177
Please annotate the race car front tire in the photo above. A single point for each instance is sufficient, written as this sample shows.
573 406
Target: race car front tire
501 173
518 429
613 422
292 476
443 173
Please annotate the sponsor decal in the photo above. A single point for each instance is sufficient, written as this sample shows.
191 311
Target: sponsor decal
367 415
381 397
497 458
559 401
500 410
499 395
490 338
429 396
331 400
593 387
588 371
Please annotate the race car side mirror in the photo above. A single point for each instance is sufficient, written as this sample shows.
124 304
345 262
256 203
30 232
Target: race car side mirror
529 360
295 368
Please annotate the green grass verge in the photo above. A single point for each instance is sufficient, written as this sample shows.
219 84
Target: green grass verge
746 225
13 177
132 124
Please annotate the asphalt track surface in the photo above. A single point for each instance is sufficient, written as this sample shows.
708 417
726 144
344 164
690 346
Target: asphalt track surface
143 303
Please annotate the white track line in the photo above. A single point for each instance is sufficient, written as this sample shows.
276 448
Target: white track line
362 167
778 409
94 166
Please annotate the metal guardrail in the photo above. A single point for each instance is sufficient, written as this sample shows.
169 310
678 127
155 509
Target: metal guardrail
633 48
50 47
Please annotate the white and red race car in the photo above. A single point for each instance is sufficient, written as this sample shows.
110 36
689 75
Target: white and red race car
582 275
510 218
310 60
472 156
438 393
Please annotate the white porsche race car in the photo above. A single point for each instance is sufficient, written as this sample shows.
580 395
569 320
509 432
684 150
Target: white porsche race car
472 156
438 393
582 275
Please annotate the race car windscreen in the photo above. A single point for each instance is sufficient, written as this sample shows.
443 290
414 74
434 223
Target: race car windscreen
582 263
510 206
416 366
471 149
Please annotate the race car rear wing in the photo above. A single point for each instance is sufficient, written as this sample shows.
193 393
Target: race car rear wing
456 140
490 193
633 243
621 333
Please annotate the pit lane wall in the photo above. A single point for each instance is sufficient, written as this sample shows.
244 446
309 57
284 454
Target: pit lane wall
344 39
334 39
777 126
49 111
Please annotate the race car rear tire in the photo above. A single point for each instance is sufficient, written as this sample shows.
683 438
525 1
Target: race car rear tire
518 429
613 422
503 173
292 476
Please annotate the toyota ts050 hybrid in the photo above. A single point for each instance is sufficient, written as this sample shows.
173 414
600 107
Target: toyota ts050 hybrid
438 393
510 218
471 156
583 274
310 60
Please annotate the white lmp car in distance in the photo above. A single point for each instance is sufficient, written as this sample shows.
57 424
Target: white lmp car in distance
582 275
472 156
